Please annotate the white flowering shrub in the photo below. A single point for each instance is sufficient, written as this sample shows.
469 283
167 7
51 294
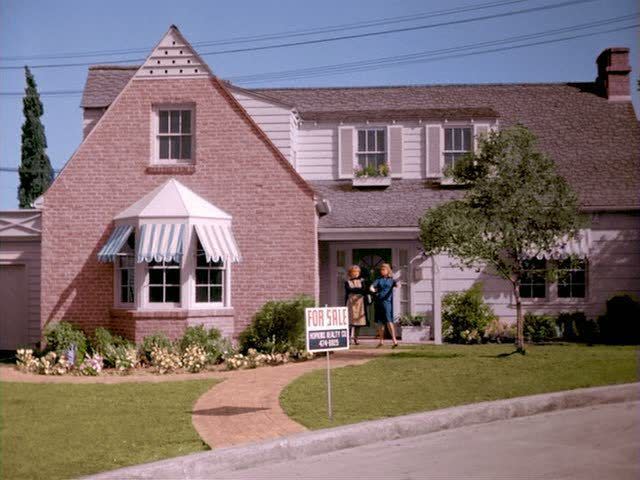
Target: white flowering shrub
165 360
194 358
254 359
126 358
25 361
92 365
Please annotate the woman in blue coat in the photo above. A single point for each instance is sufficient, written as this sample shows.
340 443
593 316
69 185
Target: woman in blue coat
383 290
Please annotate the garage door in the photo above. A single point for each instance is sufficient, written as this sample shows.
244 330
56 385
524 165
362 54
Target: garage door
13 307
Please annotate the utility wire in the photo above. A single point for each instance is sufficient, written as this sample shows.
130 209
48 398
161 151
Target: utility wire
277 36
334 39
416 57
347 66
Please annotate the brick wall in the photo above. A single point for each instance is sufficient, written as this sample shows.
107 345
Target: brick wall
236 169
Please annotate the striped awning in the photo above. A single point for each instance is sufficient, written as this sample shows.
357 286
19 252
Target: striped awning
577 247
115 243
218 242
160 241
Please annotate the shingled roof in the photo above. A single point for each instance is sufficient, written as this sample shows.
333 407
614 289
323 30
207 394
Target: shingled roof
594 142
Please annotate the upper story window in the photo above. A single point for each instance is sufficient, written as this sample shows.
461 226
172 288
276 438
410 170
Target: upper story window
457 142
372 147
533 283
174 135
572 278
164 282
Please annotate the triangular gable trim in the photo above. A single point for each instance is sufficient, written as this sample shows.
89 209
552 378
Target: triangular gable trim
173 57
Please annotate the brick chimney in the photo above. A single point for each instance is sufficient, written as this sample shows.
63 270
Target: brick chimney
613 74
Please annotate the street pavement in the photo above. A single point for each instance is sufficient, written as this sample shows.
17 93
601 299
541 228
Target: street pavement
598 442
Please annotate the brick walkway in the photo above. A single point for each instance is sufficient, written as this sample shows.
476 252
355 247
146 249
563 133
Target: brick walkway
246 408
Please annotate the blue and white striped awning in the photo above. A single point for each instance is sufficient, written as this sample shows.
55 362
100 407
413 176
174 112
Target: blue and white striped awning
160 241
218 242
115 243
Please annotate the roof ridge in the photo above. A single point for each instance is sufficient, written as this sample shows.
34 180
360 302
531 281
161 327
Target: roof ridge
424 85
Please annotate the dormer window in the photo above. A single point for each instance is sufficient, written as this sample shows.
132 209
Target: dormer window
372 152
457 142
174 135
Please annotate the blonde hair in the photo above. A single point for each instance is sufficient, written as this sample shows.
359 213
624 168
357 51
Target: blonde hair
388 267
353 268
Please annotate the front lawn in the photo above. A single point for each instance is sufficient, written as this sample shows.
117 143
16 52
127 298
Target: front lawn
431 377
53 431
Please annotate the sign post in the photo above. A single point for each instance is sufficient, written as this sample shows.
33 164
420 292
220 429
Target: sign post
327 330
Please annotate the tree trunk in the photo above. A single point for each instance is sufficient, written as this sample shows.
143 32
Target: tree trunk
519 319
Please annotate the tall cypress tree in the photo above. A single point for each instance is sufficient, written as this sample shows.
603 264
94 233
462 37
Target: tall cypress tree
36 173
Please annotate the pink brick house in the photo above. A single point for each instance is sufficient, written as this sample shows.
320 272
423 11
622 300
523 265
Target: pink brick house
191 200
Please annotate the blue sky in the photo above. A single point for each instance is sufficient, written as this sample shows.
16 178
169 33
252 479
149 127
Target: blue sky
29 28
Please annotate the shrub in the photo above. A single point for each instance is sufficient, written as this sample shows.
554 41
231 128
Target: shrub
110 347
575 326
92 365
126 358
210 341
194 358
155 340
499 331
53 364
621 323
25 361
277 327
539 328
165 360
61 337
465 316
408 320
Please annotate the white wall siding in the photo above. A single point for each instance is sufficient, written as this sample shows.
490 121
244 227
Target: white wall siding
275 120
317 151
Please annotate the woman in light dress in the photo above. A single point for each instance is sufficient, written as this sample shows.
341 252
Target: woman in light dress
355 300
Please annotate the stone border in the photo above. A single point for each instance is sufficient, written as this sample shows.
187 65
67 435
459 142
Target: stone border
206 464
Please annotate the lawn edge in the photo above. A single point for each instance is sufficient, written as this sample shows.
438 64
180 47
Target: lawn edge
204 464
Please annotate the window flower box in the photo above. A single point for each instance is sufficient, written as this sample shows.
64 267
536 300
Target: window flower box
371 181
419 334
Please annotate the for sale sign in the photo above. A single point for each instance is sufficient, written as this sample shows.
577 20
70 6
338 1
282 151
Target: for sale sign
327 329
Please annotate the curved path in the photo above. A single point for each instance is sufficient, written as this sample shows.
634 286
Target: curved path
246 407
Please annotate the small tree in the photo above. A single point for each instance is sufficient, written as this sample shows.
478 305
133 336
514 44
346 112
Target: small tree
516 207
36 173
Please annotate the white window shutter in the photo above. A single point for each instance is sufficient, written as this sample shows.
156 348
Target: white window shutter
394 149
433 150
346 151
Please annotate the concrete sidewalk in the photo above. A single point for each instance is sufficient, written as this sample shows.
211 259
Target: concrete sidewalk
209 464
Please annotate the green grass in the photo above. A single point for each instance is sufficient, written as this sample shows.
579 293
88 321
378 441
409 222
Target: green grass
432 377
53 431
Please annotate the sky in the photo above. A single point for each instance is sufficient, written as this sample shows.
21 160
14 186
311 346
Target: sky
77 29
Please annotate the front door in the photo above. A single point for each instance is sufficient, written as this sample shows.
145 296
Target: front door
369 260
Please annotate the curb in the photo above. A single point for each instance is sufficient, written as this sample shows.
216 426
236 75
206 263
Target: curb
205 464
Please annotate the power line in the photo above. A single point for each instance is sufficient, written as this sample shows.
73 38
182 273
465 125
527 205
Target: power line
359 65
416 57
334 39
280 35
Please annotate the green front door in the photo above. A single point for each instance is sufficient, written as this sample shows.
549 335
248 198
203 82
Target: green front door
369 261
